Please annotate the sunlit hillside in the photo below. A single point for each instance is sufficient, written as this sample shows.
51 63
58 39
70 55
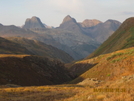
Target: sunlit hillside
106 67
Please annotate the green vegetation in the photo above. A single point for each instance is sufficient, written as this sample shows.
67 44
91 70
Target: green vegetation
114 55
130 52
118 59
130 40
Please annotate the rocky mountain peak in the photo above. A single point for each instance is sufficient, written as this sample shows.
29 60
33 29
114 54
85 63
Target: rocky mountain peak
90 23
112 21
33 22
68 18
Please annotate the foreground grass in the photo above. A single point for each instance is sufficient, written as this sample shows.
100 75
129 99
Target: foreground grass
67 93
39 93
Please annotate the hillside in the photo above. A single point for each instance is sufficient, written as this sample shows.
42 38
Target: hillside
105 67
121 39
41 49
26 70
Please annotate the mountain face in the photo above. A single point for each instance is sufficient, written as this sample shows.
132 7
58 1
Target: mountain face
34 22
41 49
76 38
28 70
70 37
89 23
120 39
70 24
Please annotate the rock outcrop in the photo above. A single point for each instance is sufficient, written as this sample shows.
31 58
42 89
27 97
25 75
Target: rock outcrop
34 22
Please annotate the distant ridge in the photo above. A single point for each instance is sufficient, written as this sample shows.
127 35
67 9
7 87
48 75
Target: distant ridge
90 23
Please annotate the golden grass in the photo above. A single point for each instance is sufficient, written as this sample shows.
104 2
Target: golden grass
68 92
13 55
108 66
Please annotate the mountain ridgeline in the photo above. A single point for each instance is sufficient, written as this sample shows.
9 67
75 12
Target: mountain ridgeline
42 49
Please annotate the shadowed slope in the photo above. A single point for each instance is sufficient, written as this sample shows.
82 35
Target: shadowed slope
28 70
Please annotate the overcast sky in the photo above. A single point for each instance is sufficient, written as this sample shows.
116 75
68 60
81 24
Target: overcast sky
52 12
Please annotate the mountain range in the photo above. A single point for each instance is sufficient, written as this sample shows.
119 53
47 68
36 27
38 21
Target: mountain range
74 39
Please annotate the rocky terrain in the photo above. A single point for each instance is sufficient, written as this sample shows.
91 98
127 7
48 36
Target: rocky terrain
34 22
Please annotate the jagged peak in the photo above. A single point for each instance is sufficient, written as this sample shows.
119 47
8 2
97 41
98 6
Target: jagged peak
33 22
90 22
68 18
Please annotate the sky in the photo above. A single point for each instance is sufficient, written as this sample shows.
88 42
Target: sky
52 12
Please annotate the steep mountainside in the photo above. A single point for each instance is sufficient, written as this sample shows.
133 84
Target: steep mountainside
78 46
9 47
121 39
41 49
28 70
34 22
89 23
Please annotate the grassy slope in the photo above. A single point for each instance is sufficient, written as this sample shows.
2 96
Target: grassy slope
109 66
41 49
69 93
121 39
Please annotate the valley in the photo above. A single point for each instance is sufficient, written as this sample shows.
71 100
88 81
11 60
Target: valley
77 61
